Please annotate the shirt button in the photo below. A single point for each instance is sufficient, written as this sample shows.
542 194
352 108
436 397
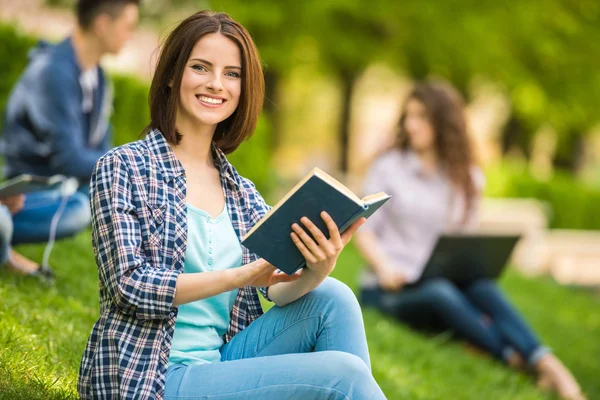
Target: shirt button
210 261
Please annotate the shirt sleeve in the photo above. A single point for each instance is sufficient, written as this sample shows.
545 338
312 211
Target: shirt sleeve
135 286
258 209
57 118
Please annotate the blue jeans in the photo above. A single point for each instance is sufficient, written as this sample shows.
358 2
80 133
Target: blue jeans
6 231
477 311
313 348
33 223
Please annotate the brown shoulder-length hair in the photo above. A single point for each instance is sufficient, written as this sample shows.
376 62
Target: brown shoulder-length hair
166 84
445 111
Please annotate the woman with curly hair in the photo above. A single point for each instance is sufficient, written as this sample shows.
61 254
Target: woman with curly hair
436 187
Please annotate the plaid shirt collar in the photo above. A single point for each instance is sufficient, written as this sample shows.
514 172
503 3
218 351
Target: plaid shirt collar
170 165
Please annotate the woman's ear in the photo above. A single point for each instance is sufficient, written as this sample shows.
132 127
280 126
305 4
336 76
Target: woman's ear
170 84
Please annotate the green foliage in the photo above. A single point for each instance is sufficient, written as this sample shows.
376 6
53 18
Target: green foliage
573 204
253 158
131 113
43 332
543 53
13 58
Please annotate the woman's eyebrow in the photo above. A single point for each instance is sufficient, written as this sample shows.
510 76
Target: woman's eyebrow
211 64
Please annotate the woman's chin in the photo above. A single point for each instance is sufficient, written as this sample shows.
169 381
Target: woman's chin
210 119
420 147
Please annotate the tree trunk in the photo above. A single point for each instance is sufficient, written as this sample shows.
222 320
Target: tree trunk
348 79
271 106
514 137
569 155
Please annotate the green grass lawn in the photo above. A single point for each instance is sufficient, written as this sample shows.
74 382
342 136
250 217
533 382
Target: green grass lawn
43 332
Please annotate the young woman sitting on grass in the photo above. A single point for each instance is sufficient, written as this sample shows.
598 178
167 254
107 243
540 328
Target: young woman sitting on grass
435 188
180 315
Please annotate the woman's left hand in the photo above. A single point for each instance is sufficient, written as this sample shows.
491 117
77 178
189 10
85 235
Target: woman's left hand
321 253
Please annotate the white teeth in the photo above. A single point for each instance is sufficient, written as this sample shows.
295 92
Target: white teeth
210 100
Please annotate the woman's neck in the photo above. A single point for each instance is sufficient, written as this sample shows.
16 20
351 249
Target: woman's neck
194 149
429 160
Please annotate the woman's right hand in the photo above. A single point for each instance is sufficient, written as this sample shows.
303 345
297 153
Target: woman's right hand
391 280
261 274
202 285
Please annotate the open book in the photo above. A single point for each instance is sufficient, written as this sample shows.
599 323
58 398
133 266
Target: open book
26 183
316 192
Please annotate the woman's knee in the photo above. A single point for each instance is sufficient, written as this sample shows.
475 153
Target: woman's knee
346 365
441 290
483 286
355 377
334 291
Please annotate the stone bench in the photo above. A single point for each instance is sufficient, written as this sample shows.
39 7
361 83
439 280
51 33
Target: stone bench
574 256
570 256
528 217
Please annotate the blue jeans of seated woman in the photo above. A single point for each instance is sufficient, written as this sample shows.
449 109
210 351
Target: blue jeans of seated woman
33 223
313 348
477 311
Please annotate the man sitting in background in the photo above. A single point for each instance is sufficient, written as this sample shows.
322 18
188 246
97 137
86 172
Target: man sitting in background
57 120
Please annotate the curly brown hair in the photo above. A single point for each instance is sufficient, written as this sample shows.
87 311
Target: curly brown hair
445 111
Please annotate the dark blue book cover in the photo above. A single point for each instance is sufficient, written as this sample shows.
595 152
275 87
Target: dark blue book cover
317 192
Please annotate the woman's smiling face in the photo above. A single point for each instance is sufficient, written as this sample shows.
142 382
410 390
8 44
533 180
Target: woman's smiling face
211 83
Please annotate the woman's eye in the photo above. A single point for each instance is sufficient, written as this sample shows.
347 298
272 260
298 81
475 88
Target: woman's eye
199 68
233 74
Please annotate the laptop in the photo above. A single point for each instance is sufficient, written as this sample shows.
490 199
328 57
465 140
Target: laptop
465 257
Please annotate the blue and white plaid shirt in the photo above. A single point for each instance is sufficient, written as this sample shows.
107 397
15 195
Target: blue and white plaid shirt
139 235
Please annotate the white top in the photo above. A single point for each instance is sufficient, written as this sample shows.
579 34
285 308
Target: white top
89 83
423 206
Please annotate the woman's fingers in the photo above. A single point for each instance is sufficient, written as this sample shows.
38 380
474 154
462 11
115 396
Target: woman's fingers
314 230
306 253
309 242
261 268
328 247
280 277
334 232
320 248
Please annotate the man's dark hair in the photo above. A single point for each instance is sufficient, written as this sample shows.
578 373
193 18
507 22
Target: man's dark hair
87 10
